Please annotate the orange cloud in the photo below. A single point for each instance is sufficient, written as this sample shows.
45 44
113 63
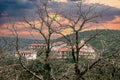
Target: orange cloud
22 29
25 31
114 24
116 20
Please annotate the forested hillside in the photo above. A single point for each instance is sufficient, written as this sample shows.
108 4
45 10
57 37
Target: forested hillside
102 39
11 42
105 68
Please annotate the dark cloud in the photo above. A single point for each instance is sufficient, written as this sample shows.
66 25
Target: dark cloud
74 0
109 13
14 7
20 8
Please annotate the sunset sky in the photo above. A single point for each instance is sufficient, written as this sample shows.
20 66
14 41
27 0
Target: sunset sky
14 10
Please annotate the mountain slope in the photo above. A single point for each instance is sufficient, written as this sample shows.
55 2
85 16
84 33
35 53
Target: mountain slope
104 38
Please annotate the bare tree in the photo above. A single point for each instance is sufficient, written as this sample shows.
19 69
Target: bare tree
45 27
82 18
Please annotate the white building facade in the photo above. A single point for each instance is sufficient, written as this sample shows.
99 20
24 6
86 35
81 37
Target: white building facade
56 45
37 46
63 51
28 54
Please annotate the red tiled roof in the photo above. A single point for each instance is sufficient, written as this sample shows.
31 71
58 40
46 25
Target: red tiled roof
58 43
66 48
37 44
83 49
26 51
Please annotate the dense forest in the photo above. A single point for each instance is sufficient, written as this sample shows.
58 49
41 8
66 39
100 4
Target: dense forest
105 68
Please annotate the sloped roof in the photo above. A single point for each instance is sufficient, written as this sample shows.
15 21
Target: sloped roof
85 48
58 43
38 44
26 51
65 48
